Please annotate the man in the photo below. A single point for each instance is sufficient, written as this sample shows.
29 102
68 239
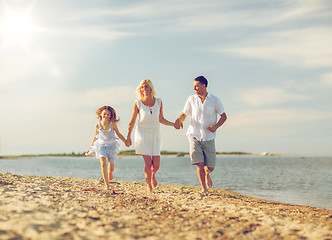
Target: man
203 108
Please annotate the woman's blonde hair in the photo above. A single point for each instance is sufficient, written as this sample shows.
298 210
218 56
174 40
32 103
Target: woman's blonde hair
147 82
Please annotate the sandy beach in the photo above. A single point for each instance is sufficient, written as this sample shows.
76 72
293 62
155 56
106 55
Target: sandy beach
76 208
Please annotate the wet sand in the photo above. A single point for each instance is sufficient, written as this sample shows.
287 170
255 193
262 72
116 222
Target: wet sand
76 208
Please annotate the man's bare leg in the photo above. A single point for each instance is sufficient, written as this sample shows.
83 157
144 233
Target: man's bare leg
208 179
201 175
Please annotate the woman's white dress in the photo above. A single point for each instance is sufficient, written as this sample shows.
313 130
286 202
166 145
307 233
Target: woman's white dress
106 145
147 133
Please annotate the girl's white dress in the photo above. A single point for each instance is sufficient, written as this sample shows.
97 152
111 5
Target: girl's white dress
147 133
106 145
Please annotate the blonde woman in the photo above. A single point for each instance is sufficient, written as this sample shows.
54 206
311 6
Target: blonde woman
149 111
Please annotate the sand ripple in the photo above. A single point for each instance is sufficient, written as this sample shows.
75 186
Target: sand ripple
72 208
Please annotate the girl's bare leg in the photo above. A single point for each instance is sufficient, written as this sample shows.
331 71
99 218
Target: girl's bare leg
103 163
110 171
147 170
154 168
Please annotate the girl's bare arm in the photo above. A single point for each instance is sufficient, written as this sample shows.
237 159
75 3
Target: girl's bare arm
115 128
94 137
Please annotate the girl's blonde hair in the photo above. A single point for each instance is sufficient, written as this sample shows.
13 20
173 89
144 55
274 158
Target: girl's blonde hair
112 111
147 82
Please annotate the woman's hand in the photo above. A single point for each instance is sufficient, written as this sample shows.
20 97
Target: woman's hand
128 142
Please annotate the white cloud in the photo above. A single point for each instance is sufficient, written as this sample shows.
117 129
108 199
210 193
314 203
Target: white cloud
256 14
57 120
15 68
300 48
327 79
268 96
109 96
97 33
274 119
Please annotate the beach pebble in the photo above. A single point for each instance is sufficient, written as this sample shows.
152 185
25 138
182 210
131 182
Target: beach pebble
72 208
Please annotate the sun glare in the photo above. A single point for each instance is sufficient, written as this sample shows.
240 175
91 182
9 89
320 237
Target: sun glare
16 29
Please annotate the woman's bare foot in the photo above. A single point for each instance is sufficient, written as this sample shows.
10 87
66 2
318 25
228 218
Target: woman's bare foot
149 188
154 181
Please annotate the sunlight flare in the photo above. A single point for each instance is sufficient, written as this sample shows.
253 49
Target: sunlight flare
16 28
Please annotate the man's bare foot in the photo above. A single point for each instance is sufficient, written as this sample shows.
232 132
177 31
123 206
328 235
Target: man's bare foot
208 181
110 176
154 181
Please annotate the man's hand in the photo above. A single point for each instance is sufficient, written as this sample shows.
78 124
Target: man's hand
212 128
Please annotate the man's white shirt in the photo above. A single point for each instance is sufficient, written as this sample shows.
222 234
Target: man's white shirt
202 116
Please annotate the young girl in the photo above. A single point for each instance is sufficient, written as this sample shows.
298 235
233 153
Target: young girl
104 144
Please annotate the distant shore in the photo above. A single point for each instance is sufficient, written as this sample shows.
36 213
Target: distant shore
122 153
76 208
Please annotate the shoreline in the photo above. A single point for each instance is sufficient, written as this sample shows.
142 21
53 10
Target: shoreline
33 207
130 153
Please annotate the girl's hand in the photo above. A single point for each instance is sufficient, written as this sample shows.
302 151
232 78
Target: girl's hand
88 150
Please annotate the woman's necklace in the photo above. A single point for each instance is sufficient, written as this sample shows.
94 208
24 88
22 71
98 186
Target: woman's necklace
148 105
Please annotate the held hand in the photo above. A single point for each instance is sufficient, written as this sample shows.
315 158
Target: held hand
178 124
128 142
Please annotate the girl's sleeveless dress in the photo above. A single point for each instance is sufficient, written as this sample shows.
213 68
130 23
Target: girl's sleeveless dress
106 145
147 133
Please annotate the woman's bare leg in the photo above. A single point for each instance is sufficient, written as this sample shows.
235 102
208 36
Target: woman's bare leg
154 169
147 170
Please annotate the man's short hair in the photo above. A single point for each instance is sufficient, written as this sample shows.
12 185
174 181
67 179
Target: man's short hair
202 80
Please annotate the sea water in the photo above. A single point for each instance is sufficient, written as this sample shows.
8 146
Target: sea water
288 179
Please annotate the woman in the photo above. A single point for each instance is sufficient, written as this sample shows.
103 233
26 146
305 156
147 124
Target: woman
149 110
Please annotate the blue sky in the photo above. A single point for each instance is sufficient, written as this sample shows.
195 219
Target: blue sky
270 62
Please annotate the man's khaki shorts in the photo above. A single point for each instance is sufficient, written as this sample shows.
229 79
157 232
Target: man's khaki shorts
202 151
